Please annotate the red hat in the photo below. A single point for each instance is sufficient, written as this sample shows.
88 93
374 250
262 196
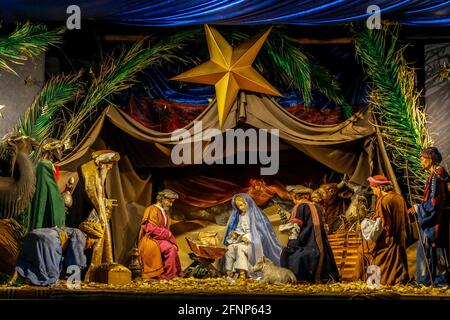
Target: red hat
378 180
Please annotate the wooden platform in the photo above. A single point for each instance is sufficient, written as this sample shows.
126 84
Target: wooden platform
219 288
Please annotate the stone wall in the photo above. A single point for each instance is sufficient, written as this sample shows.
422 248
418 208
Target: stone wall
437 97
17 92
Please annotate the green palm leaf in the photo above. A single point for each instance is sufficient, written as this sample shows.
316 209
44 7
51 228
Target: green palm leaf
395 101
40 120
28 40
118 73
296 69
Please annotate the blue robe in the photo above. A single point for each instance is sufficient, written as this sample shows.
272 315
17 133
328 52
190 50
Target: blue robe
42 260
264 241
433 217
310 256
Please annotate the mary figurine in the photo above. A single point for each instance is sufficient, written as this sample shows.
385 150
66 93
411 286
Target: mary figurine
248 237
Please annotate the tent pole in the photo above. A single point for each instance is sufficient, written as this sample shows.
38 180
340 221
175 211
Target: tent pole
385 157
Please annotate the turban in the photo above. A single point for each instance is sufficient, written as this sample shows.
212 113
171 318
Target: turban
92 229
379 180
167 194
433 154
105 156
51 144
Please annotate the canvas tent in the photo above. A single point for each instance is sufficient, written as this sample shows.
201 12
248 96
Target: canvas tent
349 147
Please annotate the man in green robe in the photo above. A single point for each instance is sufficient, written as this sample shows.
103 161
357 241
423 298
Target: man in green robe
47 207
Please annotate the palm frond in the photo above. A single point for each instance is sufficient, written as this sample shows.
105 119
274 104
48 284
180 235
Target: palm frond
119 73
297 69
28 40
326 83
39 120
293 64
395 101
305 72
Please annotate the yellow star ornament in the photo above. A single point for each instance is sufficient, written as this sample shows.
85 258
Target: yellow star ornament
229 69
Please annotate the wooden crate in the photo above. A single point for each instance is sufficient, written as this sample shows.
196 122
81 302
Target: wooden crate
345 250
112 273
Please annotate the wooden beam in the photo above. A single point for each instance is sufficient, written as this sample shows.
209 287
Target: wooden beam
324 41
125 37
386 160
136 37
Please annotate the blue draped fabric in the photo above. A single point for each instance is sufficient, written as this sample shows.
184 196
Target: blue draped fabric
158 86
42 261
155 83
264 241
234 12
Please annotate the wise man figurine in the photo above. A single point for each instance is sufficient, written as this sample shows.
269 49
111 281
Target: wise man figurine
47 207
102 268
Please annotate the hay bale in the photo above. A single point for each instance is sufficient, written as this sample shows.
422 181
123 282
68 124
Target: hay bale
11 235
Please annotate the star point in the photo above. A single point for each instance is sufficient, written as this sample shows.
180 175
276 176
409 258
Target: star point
229 70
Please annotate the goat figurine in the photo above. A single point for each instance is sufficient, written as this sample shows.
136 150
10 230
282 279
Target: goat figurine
273 274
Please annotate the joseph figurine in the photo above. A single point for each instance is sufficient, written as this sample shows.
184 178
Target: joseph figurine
157 245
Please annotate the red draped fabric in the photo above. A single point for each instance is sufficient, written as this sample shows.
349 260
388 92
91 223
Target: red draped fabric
205 192
162 115
166 116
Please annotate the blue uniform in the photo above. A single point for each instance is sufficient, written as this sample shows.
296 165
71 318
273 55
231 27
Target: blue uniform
433 219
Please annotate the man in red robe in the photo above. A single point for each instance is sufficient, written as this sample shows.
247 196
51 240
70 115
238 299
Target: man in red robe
157 245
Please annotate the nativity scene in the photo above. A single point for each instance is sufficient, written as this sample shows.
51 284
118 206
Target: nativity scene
224 160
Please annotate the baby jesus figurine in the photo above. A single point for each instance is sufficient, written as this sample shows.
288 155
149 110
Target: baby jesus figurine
236 237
